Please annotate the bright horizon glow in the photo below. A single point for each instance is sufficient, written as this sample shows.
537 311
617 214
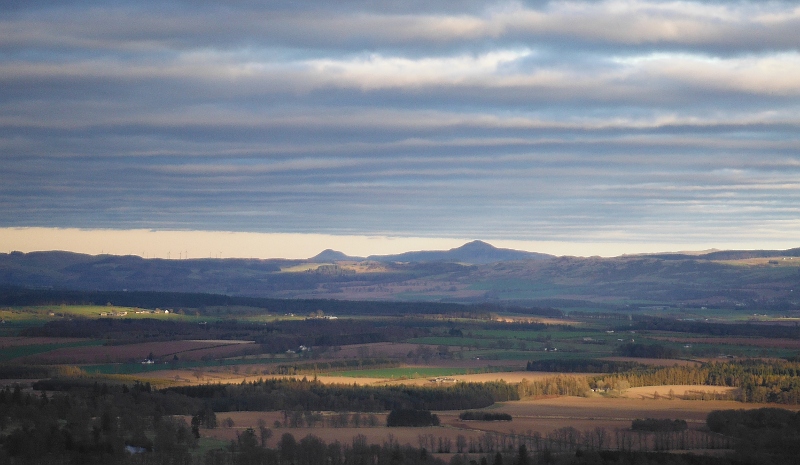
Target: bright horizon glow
228 244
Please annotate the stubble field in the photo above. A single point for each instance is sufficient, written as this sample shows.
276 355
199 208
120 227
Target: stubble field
542 416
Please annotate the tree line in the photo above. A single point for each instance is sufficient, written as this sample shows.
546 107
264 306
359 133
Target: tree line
651 323
213 304
554 386
755 380
580 366
312 395
484 416
639 350
658 424
89 424
411 417
766 435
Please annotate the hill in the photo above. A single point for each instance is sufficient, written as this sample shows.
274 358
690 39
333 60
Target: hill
330 255
475 252
473 273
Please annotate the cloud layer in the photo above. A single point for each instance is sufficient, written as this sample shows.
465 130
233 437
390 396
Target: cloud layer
585 121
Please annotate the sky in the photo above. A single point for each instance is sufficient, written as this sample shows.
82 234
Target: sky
257 128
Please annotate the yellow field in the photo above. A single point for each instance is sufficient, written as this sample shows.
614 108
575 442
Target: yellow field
510 377
649 392
225 375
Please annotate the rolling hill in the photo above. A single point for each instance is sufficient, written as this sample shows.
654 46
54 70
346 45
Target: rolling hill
476 272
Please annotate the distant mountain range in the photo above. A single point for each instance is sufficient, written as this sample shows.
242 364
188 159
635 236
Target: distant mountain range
475 252
474 272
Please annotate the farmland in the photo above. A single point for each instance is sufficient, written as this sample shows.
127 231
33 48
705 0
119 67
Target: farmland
336 377
531 418
20 349
136 353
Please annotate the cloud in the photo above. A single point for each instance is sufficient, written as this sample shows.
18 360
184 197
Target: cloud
717 26
579 120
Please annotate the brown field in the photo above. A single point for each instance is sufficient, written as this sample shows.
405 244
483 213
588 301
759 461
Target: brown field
27 341
540 415
185 350
545 415
375 435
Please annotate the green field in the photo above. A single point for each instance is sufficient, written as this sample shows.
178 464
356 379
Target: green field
205 444
512 289
28 316
451 341
11 353
584 341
